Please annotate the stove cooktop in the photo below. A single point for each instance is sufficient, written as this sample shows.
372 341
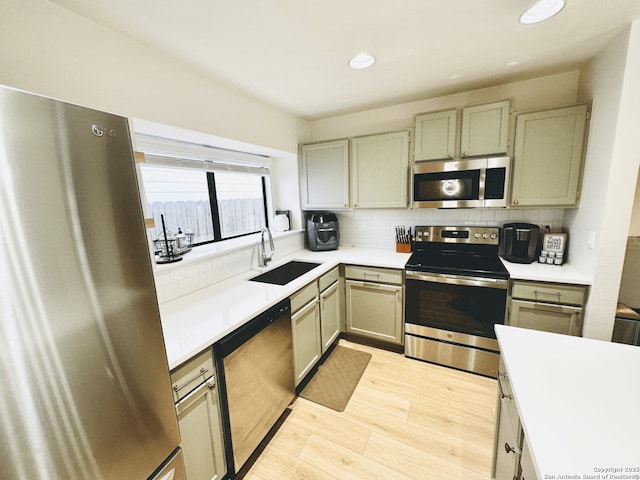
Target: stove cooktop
453 264
470 251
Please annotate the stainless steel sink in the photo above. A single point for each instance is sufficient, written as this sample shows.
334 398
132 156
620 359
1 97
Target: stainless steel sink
285 273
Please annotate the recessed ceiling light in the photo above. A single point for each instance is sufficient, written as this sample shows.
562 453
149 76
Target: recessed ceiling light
541 10
362 60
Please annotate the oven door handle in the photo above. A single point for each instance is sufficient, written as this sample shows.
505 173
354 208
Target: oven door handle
458 280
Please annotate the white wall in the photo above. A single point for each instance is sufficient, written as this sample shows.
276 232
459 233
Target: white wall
634 227
610 176
534 94
48 50
375 228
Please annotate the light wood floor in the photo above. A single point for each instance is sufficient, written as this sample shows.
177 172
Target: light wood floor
406 420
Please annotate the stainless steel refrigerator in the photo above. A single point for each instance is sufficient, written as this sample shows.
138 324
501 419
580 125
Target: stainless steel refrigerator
85 390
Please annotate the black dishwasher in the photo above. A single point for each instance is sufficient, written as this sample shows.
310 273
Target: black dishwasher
255 372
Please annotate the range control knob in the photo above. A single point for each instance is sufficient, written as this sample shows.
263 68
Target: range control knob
476 235
485 235
494 236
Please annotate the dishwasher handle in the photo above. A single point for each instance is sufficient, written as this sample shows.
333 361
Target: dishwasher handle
238 337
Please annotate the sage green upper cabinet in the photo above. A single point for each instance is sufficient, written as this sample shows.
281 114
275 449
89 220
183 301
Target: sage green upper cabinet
548 153
435 135
380 170
324 175
485 129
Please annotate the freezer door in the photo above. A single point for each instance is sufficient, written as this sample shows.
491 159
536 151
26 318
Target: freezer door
173 469
85 390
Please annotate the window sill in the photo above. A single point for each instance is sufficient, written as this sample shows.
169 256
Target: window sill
213 250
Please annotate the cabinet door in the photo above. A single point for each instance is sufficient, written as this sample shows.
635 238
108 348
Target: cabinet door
548 154
527 469
324 175
201 433
485 129
306 339
330 315
547 317
380 170
435 134
506 449
374 310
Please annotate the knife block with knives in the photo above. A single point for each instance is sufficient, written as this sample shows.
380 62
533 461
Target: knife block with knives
403 239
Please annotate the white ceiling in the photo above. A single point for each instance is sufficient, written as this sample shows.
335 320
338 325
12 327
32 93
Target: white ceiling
293 53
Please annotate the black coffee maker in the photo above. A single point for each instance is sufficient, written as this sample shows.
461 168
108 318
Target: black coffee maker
520 242
323 232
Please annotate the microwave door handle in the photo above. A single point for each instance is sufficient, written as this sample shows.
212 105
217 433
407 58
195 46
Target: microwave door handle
481 183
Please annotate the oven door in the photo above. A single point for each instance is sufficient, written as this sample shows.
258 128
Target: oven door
450 320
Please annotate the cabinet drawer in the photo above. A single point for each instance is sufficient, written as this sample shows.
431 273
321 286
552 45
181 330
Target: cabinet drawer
550 292
369 274
192 373
328 278
304 296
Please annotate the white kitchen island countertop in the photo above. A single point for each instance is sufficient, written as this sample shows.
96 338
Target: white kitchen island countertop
194 322
578 401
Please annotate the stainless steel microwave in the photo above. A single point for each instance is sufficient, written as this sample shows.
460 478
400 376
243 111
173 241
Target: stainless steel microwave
480 182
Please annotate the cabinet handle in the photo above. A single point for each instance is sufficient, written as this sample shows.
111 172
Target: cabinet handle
202 372
210 384
502 394
556 294
508 448
516 202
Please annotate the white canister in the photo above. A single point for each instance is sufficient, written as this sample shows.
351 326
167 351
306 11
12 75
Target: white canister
551 256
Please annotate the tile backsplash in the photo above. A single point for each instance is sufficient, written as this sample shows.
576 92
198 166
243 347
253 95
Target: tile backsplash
376 228
191 274
359 228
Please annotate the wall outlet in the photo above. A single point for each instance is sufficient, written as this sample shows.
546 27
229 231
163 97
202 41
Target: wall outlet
359 226
591 240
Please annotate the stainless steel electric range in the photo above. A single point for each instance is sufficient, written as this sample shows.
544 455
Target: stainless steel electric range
456 291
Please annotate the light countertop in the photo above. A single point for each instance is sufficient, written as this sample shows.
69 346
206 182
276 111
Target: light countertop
546 273
194 322
578 402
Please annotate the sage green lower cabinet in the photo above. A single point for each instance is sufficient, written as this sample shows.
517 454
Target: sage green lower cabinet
198 411
551 307
527 470
305 326
374 303
511 457
330 314
316 321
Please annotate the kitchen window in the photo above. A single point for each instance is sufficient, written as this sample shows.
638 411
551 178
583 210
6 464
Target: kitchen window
213 194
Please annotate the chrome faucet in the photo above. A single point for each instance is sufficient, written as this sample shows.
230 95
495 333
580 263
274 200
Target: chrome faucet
266 259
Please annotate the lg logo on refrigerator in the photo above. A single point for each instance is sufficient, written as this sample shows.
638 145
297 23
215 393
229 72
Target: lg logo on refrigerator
100 132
